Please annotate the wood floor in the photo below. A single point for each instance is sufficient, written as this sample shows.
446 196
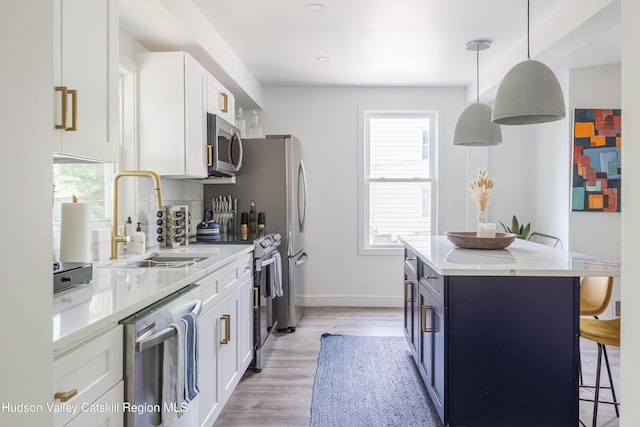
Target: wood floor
281 394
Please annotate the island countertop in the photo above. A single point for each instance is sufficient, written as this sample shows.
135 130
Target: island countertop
521 258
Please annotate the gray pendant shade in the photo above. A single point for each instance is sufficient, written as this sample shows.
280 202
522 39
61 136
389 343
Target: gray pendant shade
530 93
474 127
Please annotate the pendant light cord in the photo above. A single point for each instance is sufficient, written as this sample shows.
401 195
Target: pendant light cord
528 52
478 73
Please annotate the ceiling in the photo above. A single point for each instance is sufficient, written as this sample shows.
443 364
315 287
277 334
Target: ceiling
399 42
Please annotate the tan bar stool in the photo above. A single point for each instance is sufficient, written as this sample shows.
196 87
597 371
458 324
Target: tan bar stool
602 332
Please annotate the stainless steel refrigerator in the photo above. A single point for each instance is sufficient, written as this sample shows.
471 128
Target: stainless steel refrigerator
273 175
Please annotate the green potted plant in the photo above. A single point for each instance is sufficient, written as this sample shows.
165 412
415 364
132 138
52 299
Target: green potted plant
521 231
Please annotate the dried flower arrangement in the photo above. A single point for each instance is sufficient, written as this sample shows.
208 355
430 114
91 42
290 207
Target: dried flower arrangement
481 189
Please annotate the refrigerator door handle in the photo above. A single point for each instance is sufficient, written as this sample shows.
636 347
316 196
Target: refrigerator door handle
301 259
302 180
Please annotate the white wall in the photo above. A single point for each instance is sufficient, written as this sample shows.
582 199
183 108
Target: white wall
326 120
26 121
596 233
630 346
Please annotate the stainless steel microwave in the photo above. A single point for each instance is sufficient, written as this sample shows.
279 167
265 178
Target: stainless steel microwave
224 147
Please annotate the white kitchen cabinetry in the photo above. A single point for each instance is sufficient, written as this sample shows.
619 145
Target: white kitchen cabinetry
86 79
220 101
225 334
172 88
90 377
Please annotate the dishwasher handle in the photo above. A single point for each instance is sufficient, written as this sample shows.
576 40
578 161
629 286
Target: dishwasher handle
165 334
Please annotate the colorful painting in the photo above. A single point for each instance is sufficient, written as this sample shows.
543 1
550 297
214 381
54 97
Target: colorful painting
596 160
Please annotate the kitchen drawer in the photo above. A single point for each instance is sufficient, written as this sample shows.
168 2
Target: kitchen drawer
91 369
234 274
245 266
210 290
434 281
106 411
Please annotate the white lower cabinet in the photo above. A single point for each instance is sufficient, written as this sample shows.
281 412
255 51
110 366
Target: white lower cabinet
225 335
88 382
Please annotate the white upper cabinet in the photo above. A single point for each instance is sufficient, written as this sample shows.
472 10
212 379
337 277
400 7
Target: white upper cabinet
86 79
172 88
220 101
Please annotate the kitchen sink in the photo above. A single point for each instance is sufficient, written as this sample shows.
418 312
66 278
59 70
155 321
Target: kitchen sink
156 260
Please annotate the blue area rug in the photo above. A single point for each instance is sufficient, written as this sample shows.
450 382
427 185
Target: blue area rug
369 381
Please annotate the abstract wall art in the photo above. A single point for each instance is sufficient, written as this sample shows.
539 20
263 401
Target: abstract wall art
596 160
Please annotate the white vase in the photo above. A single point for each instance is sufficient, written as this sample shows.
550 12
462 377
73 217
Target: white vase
482 216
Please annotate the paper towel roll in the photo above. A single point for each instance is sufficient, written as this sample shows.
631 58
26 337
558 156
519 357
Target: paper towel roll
75 233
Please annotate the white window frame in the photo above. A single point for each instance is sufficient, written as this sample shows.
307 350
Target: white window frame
364 247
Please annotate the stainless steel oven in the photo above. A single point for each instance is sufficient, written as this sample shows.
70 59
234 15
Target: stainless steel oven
224 147
267 281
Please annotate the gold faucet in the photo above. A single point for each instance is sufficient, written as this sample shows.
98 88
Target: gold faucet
115 238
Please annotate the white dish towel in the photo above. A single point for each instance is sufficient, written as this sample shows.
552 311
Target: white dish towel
277 276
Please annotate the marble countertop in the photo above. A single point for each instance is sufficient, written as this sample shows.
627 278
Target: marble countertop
117 291
521 258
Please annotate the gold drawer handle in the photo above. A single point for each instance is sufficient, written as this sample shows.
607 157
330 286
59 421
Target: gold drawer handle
63 396
227 329
63 100
430 277
225 102
425 308
407 298
209 155
256 297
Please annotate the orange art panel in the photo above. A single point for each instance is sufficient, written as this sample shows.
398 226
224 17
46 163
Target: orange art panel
596 201
598 141
583 130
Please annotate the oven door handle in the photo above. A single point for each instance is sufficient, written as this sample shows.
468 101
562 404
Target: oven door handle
260 265
165 334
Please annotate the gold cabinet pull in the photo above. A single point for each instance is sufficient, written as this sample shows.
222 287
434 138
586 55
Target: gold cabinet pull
425 308
256 297
63 396
227 329
407 298
225 102
209 155
74 109
430 277
63 105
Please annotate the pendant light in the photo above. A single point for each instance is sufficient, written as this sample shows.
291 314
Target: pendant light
530 93
474 127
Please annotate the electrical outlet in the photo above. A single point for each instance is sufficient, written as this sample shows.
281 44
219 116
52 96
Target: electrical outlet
616 309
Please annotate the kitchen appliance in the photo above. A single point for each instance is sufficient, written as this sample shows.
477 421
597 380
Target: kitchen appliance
274 177
208 231
69 274
150 336
173 226
224 147
267 282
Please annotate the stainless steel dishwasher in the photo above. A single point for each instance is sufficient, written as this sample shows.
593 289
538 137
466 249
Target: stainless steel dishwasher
151 336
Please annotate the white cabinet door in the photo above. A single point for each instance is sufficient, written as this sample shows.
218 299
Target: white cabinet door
245 328
229 365
220 101
86 66
172 89
208 372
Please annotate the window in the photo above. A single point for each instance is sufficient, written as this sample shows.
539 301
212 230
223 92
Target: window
90 182
397 185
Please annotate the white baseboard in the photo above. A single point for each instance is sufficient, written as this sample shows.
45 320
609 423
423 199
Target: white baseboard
349 300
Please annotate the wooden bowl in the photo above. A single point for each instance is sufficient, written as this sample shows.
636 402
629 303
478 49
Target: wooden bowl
468 240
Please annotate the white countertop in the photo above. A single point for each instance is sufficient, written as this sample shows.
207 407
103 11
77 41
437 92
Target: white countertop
116 291
521 258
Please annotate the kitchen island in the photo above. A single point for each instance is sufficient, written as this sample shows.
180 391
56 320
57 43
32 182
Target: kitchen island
495 333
